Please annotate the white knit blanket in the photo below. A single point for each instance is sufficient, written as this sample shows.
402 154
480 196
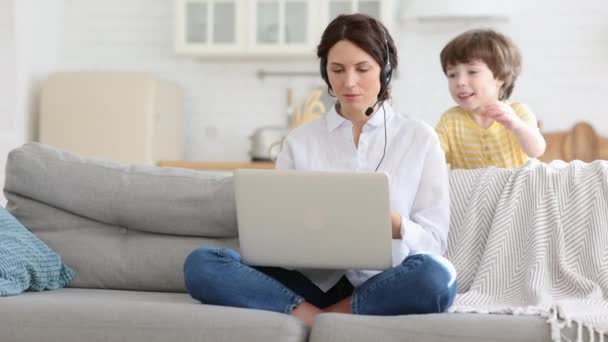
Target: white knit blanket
533 241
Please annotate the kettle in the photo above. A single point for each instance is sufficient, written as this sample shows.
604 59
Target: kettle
266 143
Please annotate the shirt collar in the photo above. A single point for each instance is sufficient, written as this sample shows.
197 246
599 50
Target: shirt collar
334 120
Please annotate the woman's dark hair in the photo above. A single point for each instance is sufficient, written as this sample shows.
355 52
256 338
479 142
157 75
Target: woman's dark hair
499 53
369 35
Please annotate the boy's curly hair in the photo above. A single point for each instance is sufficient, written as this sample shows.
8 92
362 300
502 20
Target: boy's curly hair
499 53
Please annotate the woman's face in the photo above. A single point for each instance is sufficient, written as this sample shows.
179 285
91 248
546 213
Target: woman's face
354 76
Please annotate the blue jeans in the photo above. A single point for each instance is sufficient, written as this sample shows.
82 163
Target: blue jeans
421 284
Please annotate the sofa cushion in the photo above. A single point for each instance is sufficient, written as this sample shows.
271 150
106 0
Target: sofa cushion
149 199
124 316
119 227
26 263
107 256
438 328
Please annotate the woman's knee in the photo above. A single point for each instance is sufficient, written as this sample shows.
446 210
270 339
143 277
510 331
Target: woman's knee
439 281
210 254
205 264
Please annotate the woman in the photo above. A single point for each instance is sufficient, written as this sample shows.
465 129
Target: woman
361 133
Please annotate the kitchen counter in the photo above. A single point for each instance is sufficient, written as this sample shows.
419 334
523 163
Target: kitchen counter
216 165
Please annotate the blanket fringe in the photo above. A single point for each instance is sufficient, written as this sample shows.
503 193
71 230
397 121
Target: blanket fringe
591 332
557 323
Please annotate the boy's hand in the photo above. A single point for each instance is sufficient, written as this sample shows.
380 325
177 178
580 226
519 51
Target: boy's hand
502 113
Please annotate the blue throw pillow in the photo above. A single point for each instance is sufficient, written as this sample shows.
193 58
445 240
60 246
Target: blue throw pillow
26 263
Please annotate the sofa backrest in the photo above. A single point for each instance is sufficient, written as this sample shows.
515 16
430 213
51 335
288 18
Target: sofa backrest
119 226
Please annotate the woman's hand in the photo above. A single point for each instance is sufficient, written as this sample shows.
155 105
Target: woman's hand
396 224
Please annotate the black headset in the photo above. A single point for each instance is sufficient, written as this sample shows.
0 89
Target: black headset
386 71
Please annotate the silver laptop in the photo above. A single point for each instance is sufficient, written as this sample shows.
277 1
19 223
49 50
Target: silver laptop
309 219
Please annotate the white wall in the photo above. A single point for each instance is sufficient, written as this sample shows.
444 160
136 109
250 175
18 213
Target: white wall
39 47
225 100
31 41
564 45
8 81
7 67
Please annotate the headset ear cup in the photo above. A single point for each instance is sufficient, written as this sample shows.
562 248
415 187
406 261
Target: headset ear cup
387 69
386 73
323 70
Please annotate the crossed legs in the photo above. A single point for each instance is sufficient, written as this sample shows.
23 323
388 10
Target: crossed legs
420 284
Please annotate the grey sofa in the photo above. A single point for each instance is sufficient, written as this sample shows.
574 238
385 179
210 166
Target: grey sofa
126 230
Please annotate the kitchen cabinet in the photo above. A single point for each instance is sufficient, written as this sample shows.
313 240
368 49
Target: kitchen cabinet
284 27
216 165
207 28
379 9
210 27
245 27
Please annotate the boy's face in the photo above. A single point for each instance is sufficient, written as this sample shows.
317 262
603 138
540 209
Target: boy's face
472 85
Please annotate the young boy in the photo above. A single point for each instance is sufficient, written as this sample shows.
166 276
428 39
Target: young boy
485 129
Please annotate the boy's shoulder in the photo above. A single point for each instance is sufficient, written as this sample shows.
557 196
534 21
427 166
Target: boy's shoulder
524 112
518 106
455 113
455 110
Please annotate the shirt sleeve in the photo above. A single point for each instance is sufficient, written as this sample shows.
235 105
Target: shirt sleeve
426 228
441 131
525 113
285 158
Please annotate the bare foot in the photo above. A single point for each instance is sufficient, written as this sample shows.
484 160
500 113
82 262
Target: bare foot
306 312
343 306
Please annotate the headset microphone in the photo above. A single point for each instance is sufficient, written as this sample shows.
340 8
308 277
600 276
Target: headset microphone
370 110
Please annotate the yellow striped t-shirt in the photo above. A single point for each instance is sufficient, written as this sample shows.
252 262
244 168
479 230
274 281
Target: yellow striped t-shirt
468 146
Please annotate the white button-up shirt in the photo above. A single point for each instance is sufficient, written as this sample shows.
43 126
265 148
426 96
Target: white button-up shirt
414 163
